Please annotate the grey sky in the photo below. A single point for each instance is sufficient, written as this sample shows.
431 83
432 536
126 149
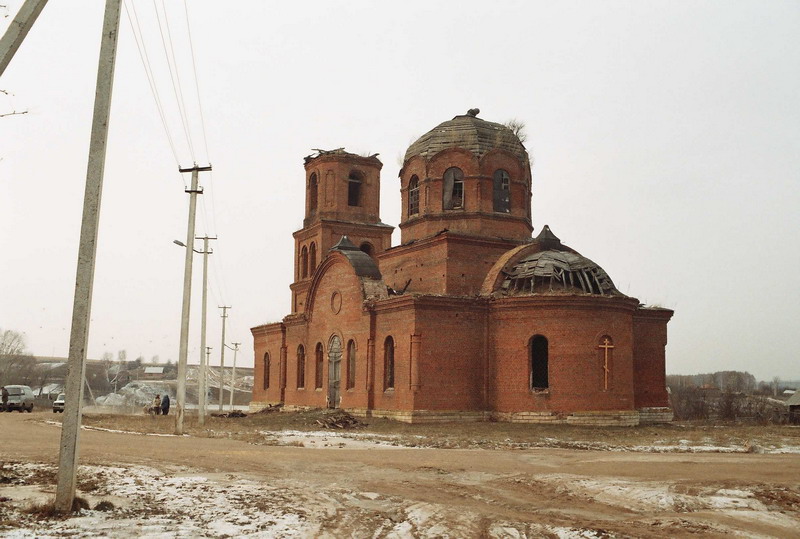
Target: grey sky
665 138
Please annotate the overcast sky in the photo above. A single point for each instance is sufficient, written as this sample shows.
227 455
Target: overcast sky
665 139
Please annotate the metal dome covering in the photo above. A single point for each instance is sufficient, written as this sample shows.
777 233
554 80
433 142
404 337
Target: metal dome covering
470 133
553 272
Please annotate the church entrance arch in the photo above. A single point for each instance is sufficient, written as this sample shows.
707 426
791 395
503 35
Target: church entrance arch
334 371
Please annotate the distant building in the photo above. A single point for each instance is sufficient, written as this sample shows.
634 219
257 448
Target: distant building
469 318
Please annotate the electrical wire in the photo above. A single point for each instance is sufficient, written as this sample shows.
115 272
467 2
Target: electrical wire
196 82
143 56
175 87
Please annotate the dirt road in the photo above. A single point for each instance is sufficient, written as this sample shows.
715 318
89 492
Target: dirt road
462 493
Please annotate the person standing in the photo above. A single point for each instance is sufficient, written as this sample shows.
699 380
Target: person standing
157 405
5 398
165 405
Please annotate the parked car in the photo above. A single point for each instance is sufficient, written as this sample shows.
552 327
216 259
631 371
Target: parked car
19 398
58 404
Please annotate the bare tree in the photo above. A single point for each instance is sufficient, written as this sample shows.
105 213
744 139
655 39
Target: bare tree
518 127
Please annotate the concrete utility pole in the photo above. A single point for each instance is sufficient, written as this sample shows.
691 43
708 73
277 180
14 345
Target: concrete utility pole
87 250
233 373
201 386
222 357
187 297
19 28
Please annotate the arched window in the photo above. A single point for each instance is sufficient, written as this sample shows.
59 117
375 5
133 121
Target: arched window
301 367
351 364
312 193
413 196
318 364
266 371
606 348
354 189
367 248
453 189
312 255
388 363
502 191
304 262
539 360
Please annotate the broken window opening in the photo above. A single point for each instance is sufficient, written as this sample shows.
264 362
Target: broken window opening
312 193
388 363
312 255
453 189
318 364
539 363
266 371
501 191
367 248
351 364
354 189
413 196
301 367
304 262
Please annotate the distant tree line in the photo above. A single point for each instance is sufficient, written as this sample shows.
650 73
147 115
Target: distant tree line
725 395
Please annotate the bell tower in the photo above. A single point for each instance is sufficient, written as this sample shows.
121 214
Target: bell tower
342 199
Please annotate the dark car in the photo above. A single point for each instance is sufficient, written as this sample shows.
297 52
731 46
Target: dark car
17 398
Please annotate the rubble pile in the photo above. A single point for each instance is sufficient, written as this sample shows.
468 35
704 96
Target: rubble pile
339 420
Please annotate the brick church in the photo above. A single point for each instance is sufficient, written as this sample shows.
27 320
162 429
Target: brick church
471 317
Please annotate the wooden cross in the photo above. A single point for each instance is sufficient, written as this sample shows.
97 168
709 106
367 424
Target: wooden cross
606 346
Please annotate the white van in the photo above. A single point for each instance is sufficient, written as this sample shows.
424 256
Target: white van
17 398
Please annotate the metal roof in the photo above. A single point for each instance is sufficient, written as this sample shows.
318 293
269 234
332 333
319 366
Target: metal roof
362 263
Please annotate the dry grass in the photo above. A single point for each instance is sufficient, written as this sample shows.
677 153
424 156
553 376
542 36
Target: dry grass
465 435
48 511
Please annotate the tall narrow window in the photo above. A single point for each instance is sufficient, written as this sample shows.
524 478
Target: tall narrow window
388 363
354 189
606 348
312 256
312 193
502 191
301 367
266 371
351 364
304 262
413 196
318 364
453 189
539 363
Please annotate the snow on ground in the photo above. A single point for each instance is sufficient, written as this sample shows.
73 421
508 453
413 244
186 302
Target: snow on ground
188 503
151 504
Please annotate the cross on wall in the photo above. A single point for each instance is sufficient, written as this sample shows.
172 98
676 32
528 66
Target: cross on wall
606 346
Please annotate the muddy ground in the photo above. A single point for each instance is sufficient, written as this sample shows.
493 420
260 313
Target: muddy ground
282 474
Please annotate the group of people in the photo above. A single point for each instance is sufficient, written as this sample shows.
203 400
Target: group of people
160 406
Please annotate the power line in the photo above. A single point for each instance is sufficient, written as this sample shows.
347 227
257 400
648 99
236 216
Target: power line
196 83
174 77
142 48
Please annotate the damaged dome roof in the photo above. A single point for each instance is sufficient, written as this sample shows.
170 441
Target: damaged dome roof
470 133
554 270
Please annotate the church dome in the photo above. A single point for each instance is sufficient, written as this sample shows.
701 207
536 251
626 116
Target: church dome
555 269
470 133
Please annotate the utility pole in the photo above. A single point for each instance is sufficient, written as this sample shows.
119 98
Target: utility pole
222 357
201 385
205 374
187 296
20 26
233 373
87 251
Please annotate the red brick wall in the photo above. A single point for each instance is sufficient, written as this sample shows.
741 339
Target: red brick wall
452 352
650 334
573 326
